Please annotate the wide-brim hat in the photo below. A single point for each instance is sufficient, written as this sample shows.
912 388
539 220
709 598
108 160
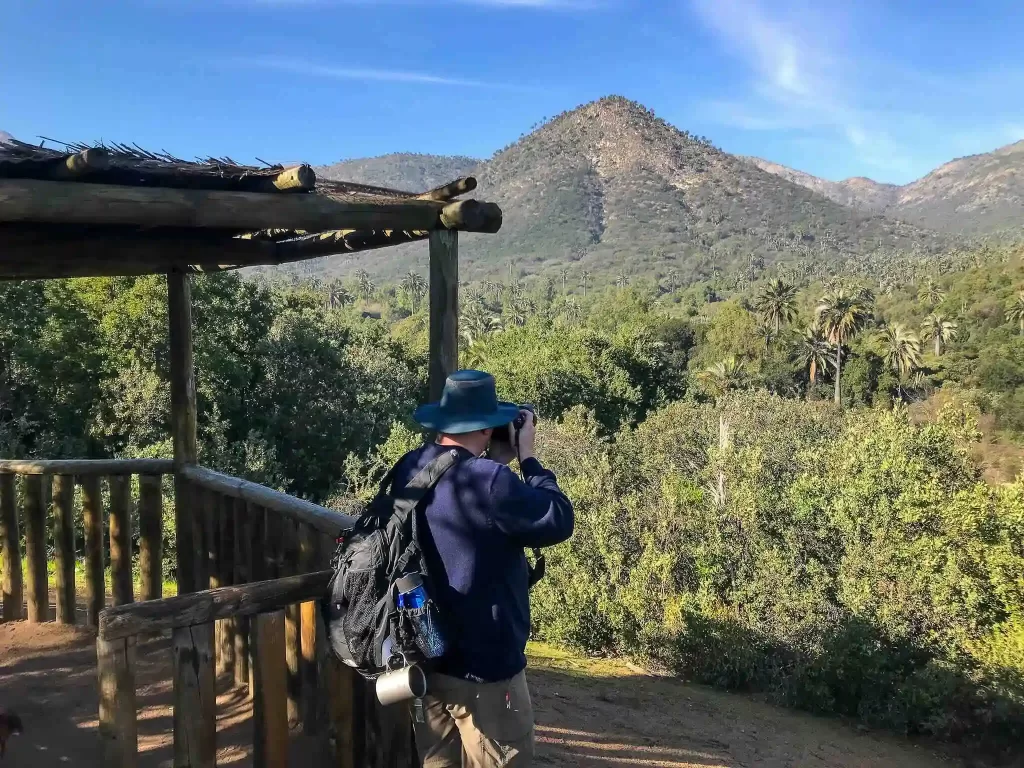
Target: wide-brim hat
468 403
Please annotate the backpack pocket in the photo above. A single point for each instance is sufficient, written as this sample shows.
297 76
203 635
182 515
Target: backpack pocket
357 592
424 624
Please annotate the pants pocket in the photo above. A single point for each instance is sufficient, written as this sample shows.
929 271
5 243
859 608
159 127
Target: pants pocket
502 718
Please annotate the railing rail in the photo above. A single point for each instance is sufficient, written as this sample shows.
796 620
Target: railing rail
82 467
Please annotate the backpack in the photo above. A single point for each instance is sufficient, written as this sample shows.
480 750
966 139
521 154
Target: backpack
366 628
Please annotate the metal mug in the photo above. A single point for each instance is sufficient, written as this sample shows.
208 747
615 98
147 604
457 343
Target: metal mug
401 685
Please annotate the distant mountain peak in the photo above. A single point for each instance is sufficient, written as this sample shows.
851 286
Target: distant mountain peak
5 137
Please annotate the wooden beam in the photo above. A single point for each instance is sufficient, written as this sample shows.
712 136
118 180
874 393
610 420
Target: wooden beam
451 190
63 516
35 549
269 713
471 216
86 467
321 518
95 585
10 550
69 202
156 616
297 179
183 421
120 522
195 697
444 309
119 736
80 164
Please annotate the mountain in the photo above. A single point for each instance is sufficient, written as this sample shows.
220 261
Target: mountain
406 171
611 184
5 136
857 192
980 194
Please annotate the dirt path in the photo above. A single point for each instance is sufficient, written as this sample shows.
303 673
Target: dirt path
589 713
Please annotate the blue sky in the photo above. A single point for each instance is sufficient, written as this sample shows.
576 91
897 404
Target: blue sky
882 89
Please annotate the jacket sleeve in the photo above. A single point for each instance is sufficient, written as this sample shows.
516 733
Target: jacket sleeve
534 513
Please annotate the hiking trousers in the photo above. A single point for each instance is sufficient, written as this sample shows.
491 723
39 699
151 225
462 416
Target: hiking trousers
475 725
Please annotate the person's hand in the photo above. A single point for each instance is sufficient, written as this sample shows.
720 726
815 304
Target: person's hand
527 437
503 451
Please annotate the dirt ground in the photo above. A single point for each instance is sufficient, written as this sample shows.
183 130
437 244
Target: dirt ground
589 713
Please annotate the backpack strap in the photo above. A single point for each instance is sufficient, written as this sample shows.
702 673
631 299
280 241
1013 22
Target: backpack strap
413 493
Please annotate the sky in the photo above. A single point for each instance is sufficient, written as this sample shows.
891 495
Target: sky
888 89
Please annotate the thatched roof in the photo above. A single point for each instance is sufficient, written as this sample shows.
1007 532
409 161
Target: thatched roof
75 209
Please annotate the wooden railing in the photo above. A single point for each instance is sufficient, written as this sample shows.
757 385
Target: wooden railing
48 503
190 618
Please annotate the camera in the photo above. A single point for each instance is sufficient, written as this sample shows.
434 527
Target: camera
501 434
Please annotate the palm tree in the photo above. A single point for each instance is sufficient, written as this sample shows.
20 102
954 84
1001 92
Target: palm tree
518 311
414 286
815 352
338 295
902 351
672 278
496 287
622 280
564 274
777 303
1015 311
767 333
931 294
939 330
584 277
364 284
723 376
842 314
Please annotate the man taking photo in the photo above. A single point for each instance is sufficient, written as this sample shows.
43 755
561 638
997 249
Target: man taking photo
479 518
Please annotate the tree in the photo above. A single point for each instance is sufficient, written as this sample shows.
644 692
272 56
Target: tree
364 284
939 330
842 314
475 322
338 295
572 311
414 286
496 288
564 275
777 303
723 376
518 310
931 294
672 279
815 352
1015 311
622 280
767 333
585 276
902 349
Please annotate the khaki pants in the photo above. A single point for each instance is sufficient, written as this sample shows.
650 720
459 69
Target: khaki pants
477 725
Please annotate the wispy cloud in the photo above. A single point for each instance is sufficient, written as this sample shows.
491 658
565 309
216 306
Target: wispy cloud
365 74
556 5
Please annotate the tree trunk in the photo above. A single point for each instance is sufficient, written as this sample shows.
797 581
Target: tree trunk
839 367
938 346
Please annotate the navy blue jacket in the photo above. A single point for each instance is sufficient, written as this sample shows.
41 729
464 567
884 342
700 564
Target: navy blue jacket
479 518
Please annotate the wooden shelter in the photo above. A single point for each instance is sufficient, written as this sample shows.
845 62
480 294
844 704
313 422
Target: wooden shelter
248 558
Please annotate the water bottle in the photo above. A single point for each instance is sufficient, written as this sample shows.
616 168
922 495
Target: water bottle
413 599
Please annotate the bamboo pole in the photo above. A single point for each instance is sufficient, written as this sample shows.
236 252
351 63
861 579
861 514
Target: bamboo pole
10 549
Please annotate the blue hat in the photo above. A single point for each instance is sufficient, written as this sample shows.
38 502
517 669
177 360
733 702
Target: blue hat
469 402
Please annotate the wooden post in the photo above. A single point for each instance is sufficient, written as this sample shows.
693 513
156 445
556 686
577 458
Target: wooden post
346 712
256 518
150 537
444 308
118 727
35 549
195 698
120 539
270 715
64 546
309 560
10 550
292 623
226 540
273 545
95 585
242 555
210 509
200 499
183 419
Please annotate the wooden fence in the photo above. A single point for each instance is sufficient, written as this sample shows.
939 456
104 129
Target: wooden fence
48 506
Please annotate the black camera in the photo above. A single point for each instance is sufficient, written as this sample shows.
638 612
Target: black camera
502 433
